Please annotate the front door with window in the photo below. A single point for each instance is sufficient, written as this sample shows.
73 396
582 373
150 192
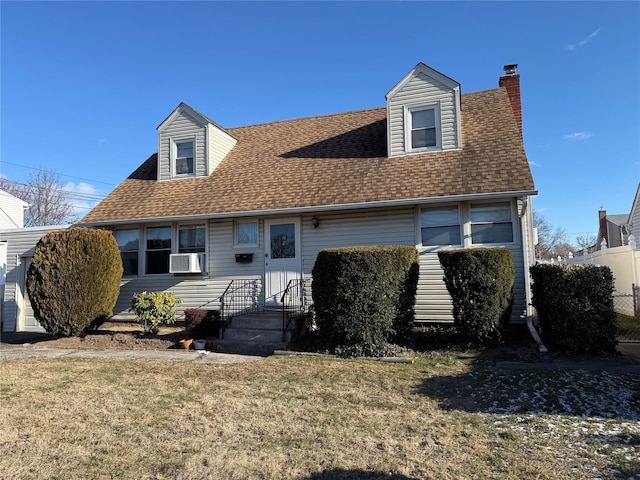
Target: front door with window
282 257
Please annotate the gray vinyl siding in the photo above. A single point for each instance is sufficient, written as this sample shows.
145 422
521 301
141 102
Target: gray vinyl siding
20 245
182 127
422 89
345 229
396 226
219 145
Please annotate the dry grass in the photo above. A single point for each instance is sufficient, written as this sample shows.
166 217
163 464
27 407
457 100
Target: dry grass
312 418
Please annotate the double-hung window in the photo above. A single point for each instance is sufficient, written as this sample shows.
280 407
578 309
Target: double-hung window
192 238
422 128
491 223
158 249
184 158
440 226
129 243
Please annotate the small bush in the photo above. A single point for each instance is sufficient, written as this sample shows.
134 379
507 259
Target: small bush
480 282
364 298
153 309
74 280
202 323
575 307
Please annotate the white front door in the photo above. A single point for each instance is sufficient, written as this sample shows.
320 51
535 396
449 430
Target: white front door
282 257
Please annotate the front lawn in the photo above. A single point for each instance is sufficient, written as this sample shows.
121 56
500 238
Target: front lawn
448 416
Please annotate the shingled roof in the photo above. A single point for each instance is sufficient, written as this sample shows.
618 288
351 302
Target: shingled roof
318 163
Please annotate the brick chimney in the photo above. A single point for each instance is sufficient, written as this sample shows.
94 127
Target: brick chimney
511 81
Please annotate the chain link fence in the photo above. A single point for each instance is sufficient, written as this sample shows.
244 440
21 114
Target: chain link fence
627 306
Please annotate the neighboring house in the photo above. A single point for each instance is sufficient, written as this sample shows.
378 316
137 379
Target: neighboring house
11 211
11 216
612 230
434 168
17 315
633 221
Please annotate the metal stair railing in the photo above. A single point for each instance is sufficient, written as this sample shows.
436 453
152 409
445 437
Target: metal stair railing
240 296
294 301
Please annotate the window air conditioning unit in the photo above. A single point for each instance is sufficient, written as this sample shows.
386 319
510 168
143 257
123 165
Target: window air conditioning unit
186 263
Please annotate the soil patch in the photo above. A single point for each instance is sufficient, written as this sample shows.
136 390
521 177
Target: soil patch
114 336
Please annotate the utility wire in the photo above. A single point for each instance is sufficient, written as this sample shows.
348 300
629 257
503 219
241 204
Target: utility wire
61 174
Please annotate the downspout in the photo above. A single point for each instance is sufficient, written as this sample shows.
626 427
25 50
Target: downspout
527 243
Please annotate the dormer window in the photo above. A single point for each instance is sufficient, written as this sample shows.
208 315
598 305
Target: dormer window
184 158
422 128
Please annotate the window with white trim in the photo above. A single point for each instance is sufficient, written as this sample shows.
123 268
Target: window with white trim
246 234
491 223
192 238
129 244
440 226
158 249
184 158
423 132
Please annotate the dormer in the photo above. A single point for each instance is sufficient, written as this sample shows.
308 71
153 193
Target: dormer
190 145
423 113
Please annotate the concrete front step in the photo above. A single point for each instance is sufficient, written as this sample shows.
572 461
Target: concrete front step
265 320
248 348
253 334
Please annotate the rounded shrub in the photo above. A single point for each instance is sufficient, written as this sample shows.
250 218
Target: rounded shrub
364 298
480 282
575 307
74 279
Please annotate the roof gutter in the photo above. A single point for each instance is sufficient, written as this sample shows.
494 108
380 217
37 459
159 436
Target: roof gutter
317 208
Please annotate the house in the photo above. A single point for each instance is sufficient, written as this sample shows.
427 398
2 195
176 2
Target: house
11 211
612 230
433 168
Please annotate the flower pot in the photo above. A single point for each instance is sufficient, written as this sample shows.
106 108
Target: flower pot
186 343
199 344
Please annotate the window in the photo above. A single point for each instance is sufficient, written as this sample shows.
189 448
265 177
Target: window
128 243
184 158
192 238
422 128
246 233
440 226
158 249
491 223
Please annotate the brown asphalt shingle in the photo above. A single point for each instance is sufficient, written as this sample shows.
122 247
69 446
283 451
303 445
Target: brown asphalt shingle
333 160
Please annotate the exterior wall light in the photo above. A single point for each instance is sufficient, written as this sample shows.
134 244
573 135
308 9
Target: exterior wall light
315 222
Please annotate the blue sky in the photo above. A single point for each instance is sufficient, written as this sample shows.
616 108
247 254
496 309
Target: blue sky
85 84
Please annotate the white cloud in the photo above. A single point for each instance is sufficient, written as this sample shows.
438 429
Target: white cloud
577 136
83 197
533 164
102 142
583 42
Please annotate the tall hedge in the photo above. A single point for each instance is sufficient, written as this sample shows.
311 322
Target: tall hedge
74 279
364 297
575 307
480 282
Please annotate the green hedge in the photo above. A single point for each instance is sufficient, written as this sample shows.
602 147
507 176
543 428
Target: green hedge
575 307
364 297
74 279
480 282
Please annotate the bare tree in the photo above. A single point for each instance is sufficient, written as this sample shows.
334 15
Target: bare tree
552 242
49 202
584 242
